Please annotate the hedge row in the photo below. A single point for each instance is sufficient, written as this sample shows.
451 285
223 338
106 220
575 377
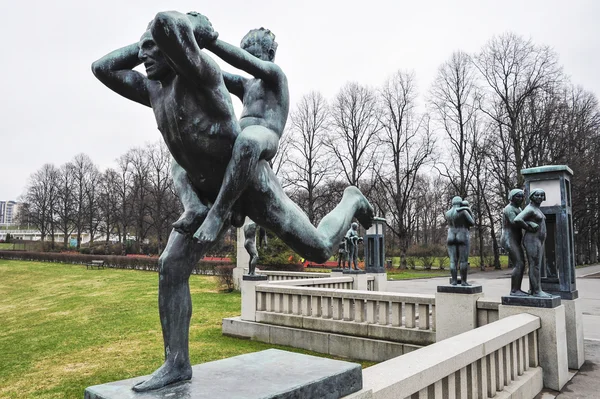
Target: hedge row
114 261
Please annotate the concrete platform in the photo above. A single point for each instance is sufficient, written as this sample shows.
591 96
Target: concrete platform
267 374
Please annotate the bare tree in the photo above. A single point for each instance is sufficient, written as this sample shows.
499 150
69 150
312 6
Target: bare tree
65 209
84 172
454 100
515 69
408 144
40 196
310 163
163 206
355 126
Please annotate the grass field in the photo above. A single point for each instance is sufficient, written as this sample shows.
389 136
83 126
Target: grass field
64 328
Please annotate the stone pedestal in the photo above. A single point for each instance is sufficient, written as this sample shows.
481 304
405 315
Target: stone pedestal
360 279
456 310
267 374
242 258
552 341
380 281
249 284
574 321
337 272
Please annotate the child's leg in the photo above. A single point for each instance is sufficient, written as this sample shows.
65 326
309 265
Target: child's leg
253 144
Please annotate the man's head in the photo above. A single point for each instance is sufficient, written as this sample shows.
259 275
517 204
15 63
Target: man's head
260 43
157 66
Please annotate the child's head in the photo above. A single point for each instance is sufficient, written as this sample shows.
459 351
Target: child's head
260 43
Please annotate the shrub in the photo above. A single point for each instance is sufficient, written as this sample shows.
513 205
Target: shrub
225 276
442 261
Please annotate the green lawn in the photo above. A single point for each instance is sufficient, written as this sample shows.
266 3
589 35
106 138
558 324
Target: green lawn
64 328
408 274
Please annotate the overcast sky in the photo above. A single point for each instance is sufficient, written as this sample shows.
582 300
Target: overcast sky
53 108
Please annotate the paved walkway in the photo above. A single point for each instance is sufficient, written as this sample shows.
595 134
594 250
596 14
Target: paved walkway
586 383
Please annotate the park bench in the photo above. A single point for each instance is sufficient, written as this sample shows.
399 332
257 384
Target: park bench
95 263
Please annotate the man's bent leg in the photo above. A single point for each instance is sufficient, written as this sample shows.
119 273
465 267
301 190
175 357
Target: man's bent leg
194 211
252 145
175 308
267 204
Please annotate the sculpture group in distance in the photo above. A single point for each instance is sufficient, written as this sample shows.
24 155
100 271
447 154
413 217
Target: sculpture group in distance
532 220
460 220
220 167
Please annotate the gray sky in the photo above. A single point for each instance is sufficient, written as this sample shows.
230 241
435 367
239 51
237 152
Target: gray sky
53 108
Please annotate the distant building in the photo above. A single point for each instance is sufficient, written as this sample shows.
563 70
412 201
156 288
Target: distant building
8 212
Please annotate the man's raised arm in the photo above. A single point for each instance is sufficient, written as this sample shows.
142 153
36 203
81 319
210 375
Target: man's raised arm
115 70
241 59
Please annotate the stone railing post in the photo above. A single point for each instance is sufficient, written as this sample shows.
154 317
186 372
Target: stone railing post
552 336
359 277
249 284
456 309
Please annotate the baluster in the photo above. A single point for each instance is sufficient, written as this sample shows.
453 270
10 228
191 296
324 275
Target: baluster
315 306
462 375
296 304
451 386
384 313
507 365
526 352
491 374
521 355
500 370
396 314
359 310
270 301
286 303
347 306
423 317
326 307
514 370
533 349
305 305
482 377
433 322
371 315
260 301
409 315
337 309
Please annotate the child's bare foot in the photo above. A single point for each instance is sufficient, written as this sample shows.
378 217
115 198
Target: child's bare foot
209 230
188 222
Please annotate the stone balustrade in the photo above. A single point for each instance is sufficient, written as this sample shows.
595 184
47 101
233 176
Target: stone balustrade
498 360
328 282
277 275
406 318
487 311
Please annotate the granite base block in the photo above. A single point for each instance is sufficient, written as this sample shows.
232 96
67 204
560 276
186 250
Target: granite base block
460 289
269 374
531 301
255 277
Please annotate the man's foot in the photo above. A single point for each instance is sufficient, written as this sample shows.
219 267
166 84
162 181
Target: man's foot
188 222
453 282
209 230
165 375
465 284
364 211
518 293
